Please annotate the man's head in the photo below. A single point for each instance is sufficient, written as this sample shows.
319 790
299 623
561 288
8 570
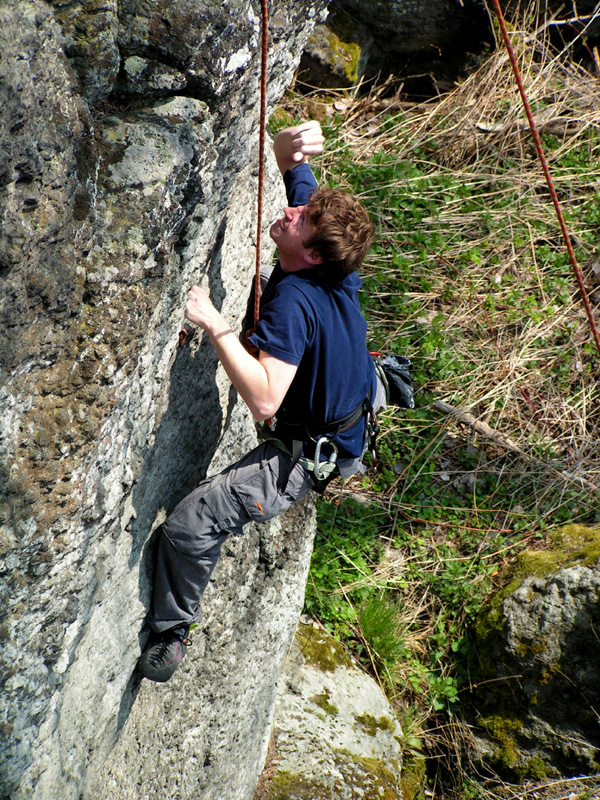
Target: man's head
341 232
331 234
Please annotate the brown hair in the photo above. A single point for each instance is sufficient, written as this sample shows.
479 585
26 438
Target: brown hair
342 232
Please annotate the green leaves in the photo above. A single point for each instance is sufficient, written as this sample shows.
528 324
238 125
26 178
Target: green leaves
346 553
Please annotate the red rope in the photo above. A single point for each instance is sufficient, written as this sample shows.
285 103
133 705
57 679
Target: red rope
261 153
183 334
544 163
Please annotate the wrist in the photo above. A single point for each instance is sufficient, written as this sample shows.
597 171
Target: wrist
220 334
215 324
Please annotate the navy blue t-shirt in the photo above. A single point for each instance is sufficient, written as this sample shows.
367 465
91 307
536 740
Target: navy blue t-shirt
318 326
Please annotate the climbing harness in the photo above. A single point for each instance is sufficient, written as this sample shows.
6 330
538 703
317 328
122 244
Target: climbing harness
323 471
300 440
298 437
544 163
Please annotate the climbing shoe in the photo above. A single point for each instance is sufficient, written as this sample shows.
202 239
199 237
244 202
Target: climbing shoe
164 653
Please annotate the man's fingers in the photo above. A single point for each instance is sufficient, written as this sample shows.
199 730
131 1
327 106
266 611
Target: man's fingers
311 125
294 145
312 149
308 133
197 304
307 140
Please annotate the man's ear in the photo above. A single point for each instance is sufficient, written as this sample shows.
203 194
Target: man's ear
313 257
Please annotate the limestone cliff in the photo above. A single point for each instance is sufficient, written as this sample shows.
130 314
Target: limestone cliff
128 136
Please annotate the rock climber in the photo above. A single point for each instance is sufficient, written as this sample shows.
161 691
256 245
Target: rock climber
313 382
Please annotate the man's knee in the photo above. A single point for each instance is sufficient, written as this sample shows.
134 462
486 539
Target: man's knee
194 529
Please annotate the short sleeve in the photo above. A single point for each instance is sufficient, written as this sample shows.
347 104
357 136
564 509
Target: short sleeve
285 326
299 183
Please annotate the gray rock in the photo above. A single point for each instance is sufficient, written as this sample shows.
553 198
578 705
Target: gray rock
207 735
537 676
147 77
334 732
111 209
362 39
408 27
337 53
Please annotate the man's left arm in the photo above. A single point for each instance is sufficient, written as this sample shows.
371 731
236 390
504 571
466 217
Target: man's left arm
262 383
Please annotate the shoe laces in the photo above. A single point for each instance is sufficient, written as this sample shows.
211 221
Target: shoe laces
161 651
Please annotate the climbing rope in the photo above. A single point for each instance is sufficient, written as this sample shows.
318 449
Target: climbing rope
544 163
261 153
183 333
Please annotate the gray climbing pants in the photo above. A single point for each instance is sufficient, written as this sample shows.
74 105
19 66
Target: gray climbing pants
256 488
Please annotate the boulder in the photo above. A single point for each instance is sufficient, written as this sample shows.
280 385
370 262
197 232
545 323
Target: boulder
334 732
536 672
129 135
337 53
400 37
428 43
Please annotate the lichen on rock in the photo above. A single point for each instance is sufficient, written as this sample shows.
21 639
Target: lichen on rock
116 196
535 670
336 54
335 734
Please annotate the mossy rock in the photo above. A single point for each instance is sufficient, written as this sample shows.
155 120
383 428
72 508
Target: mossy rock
373 724
571 545
334 731
320 649
534 665
287 786
361 777
335 54
413 780
323 700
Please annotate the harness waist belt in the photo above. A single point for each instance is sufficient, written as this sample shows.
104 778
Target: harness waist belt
319 429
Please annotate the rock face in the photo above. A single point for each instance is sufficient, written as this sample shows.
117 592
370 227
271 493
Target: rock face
538 672
207 737
334 732
407 27
427 42
129 134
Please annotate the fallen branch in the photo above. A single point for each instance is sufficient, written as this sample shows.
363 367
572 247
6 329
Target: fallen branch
502 441
477 425
557 126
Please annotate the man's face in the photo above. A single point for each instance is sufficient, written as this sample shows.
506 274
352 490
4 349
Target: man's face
289 234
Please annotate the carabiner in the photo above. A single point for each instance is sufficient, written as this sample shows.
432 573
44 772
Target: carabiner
319 474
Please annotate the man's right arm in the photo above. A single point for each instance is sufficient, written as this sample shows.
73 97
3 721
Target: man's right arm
293 146
262 382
